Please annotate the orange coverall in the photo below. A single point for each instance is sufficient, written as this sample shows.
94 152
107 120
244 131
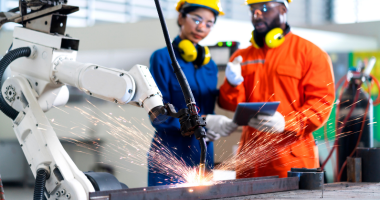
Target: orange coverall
300 76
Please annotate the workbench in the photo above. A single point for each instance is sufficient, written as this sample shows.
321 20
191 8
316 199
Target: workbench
331 191
270 187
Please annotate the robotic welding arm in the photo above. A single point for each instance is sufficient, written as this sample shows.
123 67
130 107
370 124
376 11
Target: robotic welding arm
40 74
42 62
54 66
135 87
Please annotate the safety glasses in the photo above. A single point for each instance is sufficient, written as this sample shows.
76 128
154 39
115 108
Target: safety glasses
264 8
198 20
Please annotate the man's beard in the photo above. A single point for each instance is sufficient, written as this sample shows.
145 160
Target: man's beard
274 24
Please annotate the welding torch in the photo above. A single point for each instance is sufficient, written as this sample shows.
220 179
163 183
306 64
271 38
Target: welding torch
191 122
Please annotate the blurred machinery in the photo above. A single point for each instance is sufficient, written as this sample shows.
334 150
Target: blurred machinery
222 51
1 190
354 115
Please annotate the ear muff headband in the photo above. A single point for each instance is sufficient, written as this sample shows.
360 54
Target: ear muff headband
273 38
198 55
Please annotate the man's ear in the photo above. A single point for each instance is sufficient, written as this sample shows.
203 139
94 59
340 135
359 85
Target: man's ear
283 9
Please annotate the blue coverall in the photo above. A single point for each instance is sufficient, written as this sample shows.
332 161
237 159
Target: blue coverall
203 83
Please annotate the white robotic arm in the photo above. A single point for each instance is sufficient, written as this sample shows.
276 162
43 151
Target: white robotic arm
42 63
136 87
39 82
53 68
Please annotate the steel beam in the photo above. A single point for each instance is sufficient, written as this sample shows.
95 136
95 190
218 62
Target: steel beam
240 187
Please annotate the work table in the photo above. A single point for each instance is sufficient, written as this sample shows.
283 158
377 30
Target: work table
331 191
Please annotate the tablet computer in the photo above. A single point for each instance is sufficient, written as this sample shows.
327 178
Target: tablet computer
245 111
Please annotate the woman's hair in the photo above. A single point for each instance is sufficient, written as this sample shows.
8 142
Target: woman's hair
190 9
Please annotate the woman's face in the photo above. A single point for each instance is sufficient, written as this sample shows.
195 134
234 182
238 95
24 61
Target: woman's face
196 25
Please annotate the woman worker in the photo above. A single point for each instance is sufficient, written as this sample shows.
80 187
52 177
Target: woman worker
195 19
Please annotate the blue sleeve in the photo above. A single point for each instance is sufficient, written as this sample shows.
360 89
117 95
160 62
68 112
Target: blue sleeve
160 68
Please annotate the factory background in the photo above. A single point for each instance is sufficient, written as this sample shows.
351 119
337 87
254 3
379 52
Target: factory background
122 33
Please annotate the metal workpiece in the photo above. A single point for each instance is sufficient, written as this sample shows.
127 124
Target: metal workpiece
354 169
235 188
370 163
309 179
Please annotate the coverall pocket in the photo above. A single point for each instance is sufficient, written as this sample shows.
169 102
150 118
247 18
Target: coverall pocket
289 70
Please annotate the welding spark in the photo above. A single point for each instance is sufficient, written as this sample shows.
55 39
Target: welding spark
131 145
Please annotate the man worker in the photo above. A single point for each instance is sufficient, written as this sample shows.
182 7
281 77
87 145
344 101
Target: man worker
279 66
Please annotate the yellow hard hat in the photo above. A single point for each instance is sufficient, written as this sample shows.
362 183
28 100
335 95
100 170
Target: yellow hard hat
286 2
214 5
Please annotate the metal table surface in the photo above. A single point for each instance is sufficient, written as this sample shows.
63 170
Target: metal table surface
334 191
225 189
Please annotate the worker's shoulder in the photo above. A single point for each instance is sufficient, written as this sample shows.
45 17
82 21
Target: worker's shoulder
160 53
160 58
306 45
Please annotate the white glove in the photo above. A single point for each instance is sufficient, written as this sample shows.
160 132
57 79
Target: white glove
233 72
212 136
220 124
272 124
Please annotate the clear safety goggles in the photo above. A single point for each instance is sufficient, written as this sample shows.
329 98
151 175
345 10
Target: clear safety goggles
198 20
265 8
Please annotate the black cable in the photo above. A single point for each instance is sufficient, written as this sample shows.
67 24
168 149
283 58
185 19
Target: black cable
4 63
194 123
39 188
203 145
189 97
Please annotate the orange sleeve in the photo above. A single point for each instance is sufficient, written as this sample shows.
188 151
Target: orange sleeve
319 95
230 96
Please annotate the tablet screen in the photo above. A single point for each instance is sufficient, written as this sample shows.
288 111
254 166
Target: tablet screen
245 111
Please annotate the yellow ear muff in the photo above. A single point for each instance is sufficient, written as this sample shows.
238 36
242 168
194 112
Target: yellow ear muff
207 56
275 38
188 51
